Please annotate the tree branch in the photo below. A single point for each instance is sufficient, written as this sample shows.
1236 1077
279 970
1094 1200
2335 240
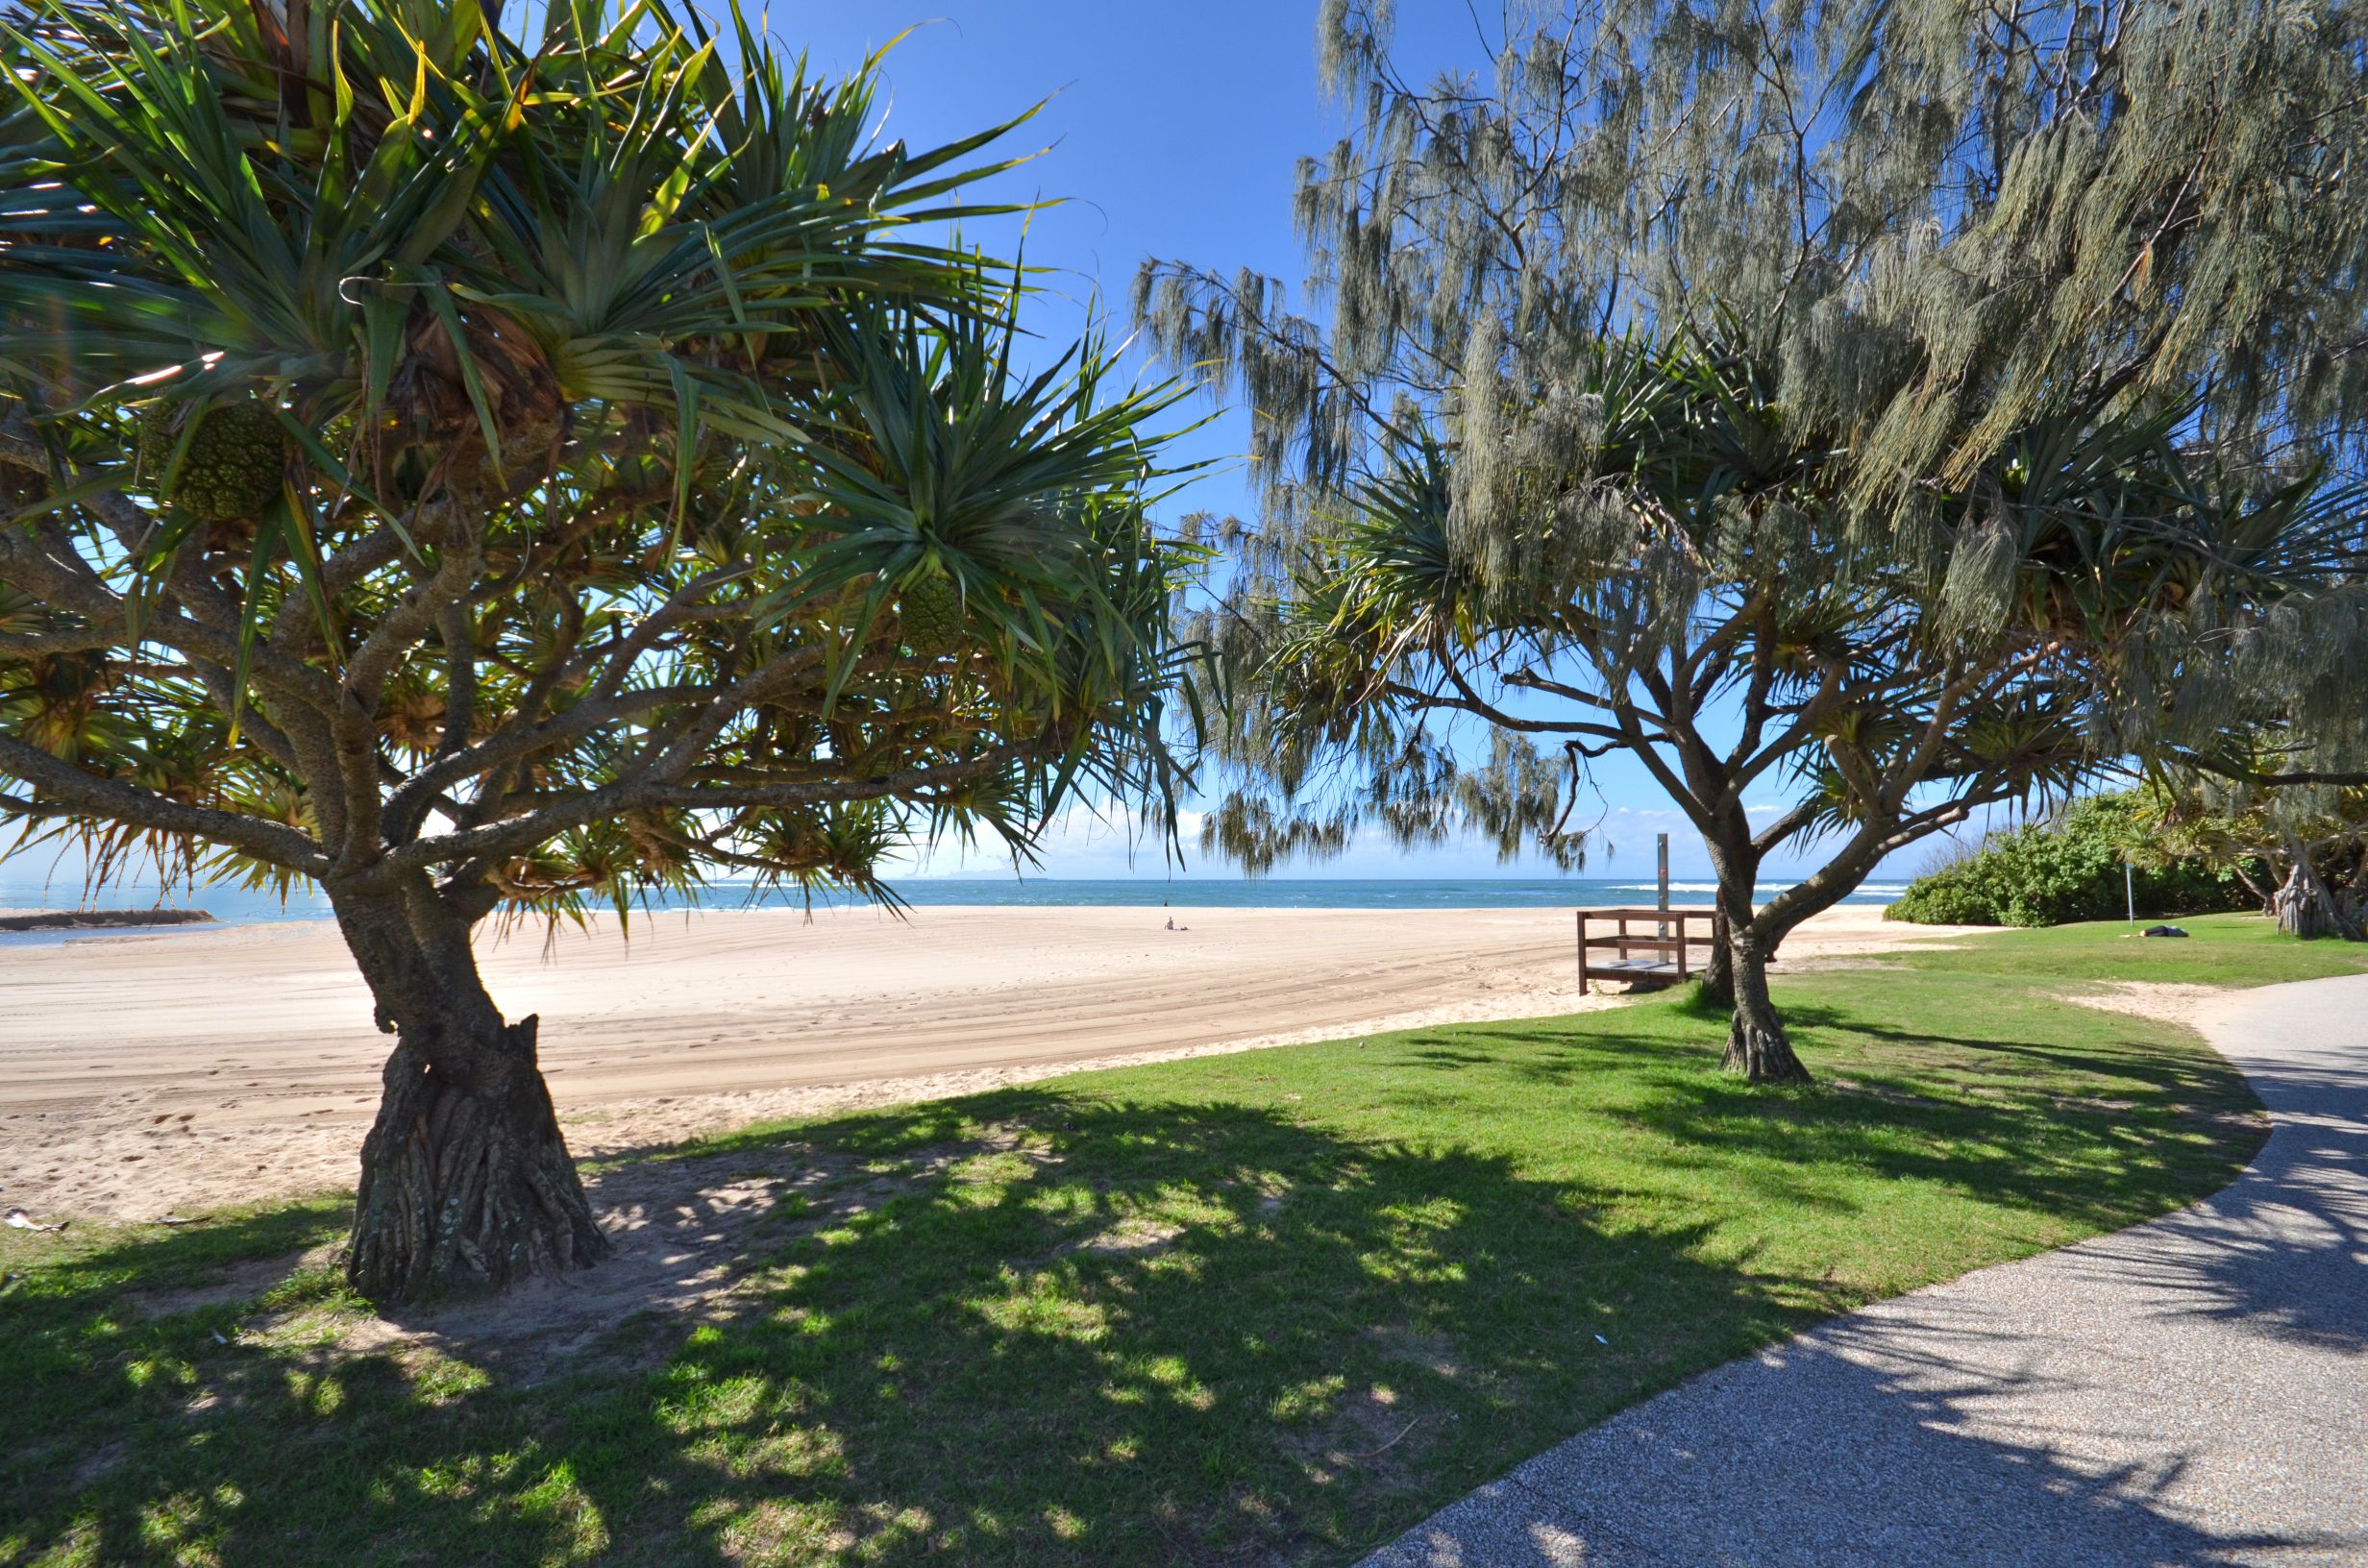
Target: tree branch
75 793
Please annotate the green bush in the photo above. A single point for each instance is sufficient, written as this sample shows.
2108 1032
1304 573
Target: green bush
2048 873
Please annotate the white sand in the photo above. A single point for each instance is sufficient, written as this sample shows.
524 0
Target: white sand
167 1071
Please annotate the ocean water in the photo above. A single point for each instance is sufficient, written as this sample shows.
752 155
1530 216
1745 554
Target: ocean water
1319 893
233 904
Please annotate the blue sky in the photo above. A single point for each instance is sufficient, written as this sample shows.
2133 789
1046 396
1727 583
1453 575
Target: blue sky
1169 131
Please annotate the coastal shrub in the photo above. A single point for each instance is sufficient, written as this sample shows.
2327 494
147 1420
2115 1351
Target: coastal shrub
2067 868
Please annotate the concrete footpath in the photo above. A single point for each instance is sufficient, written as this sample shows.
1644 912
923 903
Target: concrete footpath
2191 1392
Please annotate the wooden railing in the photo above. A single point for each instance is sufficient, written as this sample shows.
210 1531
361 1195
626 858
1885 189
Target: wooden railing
1673 935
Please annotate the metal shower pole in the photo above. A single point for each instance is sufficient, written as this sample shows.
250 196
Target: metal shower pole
1662 929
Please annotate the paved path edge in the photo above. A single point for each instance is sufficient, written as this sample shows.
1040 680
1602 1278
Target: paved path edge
2188 1393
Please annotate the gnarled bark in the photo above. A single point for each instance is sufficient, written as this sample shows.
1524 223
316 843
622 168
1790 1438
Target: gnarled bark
1757 1045
2305 906
465 1178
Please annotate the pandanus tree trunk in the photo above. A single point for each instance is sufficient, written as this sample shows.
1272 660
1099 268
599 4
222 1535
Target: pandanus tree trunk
2305 906
1718 976
1757 1045
466 1180
1737 873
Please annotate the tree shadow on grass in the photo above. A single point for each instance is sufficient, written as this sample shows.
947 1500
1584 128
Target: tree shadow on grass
1976 1435
1164 1334
1107 1333
2019 1122
2143 1063
103 1339
1035 1327
1941 1461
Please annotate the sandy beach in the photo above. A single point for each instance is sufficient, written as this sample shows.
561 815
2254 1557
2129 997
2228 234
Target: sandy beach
168 1072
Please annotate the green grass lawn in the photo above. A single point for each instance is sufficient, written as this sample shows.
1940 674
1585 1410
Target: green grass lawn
1269 1307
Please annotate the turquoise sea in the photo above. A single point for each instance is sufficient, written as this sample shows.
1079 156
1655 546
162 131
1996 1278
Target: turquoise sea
1189 893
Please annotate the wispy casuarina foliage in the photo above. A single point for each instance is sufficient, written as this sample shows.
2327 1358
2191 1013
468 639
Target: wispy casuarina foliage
1874 412
484 468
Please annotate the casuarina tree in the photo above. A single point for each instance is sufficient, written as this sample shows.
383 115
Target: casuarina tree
482 471
1821 405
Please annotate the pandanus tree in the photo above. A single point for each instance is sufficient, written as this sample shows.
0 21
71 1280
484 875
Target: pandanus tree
478 472
2300 849
1871 410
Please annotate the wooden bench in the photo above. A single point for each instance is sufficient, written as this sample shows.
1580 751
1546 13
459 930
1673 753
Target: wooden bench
1674 932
